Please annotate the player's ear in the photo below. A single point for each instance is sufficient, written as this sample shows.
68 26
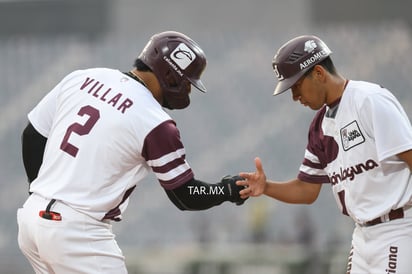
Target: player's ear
319 73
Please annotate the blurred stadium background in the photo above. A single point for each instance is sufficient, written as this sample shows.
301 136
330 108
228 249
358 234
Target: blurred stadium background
223 130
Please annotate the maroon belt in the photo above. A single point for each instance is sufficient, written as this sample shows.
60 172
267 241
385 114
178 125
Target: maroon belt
392 215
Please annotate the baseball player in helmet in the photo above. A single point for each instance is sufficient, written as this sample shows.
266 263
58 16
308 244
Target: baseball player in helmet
88 143
359 143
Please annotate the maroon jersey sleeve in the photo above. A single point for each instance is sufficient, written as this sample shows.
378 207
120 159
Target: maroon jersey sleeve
165 154
320 150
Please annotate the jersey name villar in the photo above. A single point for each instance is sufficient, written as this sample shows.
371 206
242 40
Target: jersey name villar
353 146
105 131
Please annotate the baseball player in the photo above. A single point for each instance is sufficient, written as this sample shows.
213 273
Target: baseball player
359 143
88 143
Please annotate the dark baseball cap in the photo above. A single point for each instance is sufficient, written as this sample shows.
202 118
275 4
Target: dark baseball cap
295 58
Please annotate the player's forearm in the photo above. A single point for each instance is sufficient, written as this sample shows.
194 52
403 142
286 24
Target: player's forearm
33 145
293 192
197 197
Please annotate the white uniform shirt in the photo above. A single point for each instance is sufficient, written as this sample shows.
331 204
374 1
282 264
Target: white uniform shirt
353 145
104 132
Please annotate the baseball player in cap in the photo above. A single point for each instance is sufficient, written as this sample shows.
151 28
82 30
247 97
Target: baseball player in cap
88 143
359 143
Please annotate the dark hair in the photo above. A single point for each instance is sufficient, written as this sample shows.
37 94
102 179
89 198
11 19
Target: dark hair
139 65
327 64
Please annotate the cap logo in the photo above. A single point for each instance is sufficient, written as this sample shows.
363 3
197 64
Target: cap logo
277 74
183 56
310 45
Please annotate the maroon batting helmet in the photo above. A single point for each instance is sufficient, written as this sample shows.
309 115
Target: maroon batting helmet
295 58
177 61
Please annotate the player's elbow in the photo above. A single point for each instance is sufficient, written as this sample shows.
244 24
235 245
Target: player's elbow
309 201
310 198
309 193
180 207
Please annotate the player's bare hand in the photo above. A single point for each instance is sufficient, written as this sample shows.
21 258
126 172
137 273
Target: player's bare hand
254 183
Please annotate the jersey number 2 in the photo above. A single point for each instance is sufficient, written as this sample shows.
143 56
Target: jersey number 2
80 129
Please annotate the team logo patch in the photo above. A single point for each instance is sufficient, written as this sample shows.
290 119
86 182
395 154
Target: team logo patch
351 136
183 56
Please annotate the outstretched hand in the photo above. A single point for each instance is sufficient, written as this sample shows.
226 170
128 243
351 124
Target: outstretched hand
254 183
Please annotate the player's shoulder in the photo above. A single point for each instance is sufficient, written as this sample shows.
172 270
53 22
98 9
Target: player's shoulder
364 88
98 78
92 72
359 92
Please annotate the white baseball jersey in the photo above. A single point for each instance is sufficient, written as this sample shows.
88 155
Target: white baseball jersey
353 146
104 132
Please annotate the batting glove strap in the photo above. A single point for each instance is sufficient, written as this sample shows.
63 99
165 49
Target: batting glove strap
231 189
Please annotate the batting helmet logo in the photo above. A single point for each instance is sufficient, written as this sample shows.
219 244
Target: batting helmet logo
183 56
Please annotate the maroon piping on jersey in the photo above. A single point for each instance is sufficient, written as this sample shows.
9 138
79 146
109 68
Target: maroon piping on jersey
114 214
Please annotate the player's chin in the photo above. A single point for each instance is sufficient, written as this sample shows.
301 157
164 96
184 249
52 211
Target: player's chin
314 107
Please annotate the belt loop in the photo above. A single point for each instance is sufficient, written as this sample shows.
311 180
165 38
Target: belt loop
385 218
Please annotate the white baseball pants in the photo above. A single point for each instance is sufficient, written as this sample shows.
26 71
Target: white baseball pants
76 244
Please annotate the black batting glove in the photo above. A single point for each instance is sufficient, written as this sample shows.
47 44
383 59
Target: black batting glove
231 189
